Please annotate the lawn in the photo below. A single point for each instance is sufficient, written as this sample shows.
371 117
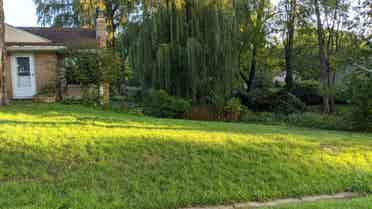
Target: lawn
59 156
359 203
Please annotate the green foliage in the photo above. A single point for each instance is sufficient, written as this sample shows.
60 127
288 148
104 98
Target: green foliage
82 13
308 92
263 80
92 67
321 121
233 109
269 100
159 103
70 156
48 90
258 99
261 117
90 94
307 119
220 109
287 103
361 91
188 48
234 105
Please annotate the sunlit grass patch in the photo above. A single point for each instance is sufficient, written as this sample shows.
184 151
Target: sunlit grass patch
77 157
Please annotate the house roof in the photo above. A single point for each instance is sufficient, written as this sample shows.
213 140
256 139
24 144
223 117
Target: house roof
72 37
15 35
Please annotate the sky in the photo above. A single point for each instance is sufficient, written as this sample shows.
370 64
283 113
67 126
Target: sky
20 12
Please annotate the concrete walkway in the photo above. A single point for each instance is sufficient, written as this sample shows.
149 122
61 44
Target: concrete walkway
344 195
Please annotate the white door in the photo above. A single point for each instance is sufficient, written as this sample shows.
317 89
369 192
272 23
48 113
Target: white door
23 76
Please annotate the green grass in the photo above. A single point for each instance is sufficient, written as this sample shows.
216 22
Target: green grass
58 156
358 203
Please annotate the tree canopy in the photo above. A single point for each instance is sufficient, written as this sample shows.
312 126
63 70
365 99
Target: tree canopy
209 50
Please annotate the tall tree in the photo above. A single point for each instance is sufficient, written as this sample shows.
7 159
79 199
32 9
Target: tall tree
187 48
288 12
3 95
253 18
333 14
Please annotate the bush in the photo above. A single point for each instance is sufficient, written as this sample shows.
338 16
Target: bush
261 117
287 103
265 100
92 67
48 90
308 120
318 120
233 109
230 110
308 92
360 87
159 104
260 100
263 81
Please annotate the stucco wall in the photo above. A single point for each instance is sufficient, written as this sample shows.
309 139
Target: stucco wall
45 70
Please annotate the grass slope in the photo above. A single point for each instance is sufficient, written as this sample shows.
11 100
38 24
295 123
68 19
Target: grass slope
57 156
359 203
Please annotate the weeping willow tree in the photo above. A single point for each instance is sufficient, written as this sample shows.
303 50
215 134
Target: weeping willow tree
187 47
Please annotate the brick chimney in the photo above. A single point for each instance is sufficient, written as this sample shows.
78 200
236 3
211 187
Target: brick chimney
101 36
101 29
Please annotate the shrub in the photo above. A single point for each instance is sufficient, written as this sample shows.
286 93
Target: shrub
360 87
90 94
318 120
287 103
263 81
48 90
233 109
261 117
266 100
257 99
308 92
159 104
308 120
92 67
217 105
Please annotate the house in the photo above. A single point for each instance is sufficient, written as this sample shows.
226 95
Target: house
35 56
279 79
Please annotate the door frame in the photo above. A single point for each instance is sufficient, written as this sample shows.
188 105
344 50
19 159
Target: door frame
32 90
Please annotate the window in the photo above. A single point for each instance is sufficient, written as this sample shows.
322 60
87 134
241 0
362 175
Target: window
23 66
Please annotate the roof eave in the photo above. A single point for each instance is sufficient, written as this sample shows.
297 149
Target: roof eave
28 48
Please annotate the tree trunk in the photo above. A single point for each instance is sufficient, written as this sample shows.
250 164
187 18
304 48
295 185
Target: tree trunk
3 94
326 75
188 7
252 73
288 48
61 77
289 80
